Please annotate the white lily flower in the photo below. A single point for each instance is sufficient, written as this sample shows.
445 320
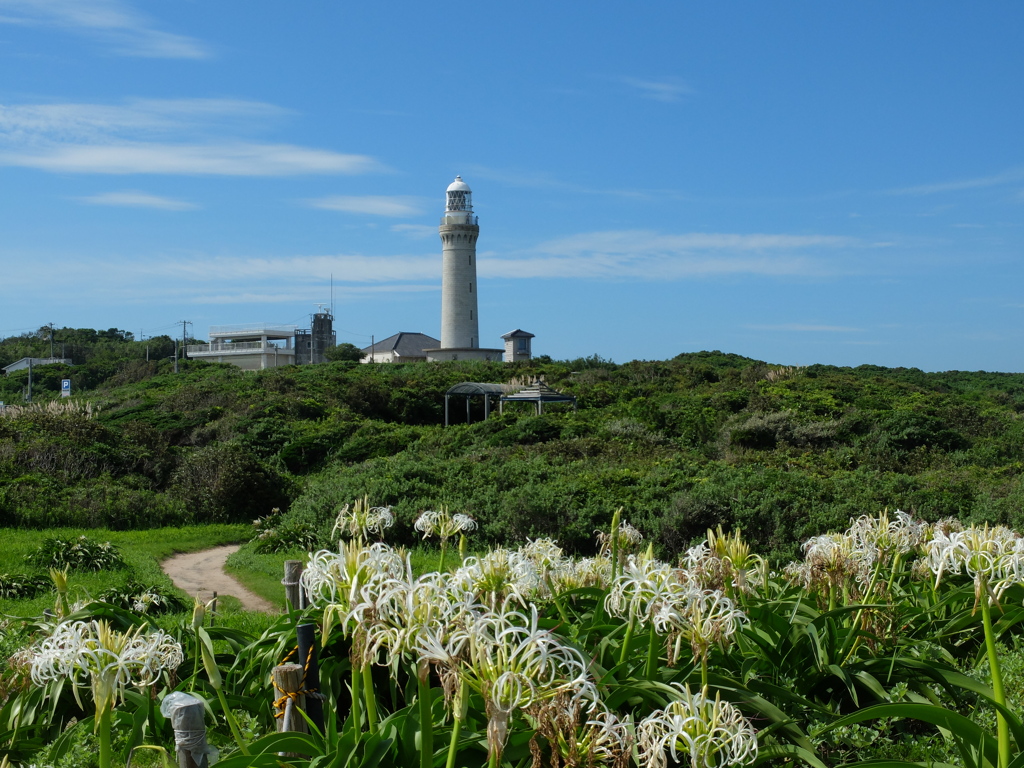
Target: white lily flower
362 519
698 731
93 653
443 524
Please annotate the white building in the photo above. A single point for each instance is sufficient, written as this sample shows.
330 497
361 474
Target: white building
403 347
517 345
29 362
251 347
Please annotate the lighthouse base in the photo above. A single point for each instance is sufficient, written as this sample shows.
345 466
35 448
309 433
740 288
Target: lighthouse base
464 353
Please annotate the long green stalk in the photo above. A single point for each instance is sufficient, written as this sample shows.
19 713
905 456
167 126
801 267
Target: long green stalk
370 695
357 695
1002 727
556 599
630 628
855 636
104 734
458 717
195 666
652 654
217 681
614 533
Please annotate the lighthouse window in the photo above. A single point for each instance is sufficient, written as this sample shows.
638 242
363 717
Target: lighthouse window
471 260
470 287
471 314
457 200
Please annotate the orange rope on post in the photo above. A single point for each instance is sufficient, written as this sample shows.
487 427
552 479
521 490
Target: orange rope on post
287 679
297 694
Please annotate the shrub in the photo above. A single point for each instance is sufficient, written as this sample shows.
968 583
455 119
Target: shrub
152 600
276 535
20 586
227 482
81 554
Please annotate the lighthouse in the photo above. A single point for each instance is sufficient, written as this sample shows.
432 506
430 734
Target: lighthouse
460 317
460 228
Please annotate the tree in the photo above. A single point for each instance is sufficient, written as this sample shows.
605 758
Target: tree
344 351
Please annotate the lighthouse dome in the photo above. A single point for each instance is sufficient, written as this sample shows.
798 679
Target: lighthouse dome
459 198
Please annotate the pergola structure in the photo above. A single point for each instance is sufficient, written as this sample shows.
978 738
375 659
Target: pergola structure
470 389
537 393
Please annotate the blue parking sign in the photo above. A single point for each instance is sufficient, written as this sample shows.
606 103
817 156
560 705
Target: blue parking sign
65 387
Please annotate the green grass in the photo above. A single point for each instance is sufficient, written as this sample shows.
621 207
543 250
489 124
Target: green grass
262 573
142 550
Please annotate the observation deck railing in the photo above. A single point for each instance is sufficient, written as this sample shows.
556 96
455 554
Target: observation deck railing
238 348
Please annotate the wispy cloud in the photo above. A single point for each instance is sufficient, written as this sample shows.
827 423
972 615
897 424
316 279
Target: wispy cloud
135 199
534 180
642 254
374 205
667 90
806 328
611 256
418 231
133 118
208 160
302 294
176 136
1010 176
113 23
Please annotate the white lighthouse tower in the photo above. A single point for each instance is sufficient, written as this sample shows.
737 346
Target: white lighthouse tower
460 318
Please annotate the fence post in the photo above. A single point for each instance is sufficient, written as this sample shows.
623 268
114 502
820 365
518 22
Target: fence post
292 571
289 700
189 731
306 636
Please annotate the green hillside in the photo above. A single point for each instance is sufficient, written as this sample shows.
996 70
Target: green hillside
693 442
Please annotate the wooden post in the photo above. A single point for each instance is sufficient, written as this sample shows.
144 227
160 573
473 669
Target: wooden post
189 728
287 684
306 636
292 571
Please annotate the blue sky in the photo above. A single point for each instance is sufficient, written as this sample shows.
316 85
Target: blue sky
798 182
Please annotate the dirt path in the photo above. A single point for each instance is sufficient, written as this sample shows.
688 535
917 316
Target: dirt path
202 573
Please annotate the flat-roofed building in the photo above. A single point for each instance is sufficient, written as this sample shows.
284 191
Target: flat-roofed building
252 347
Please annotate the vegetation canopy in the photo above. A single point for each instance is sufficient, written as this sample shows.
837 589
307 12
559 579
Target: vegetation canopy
687 444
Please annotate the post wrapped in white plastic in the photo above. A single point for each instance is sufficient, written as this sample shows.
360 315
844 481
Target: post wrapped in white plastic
186 715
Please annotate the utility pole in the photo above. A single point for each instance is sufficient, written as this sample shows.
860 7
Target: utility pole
51 341
175 355
184 347
28 396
